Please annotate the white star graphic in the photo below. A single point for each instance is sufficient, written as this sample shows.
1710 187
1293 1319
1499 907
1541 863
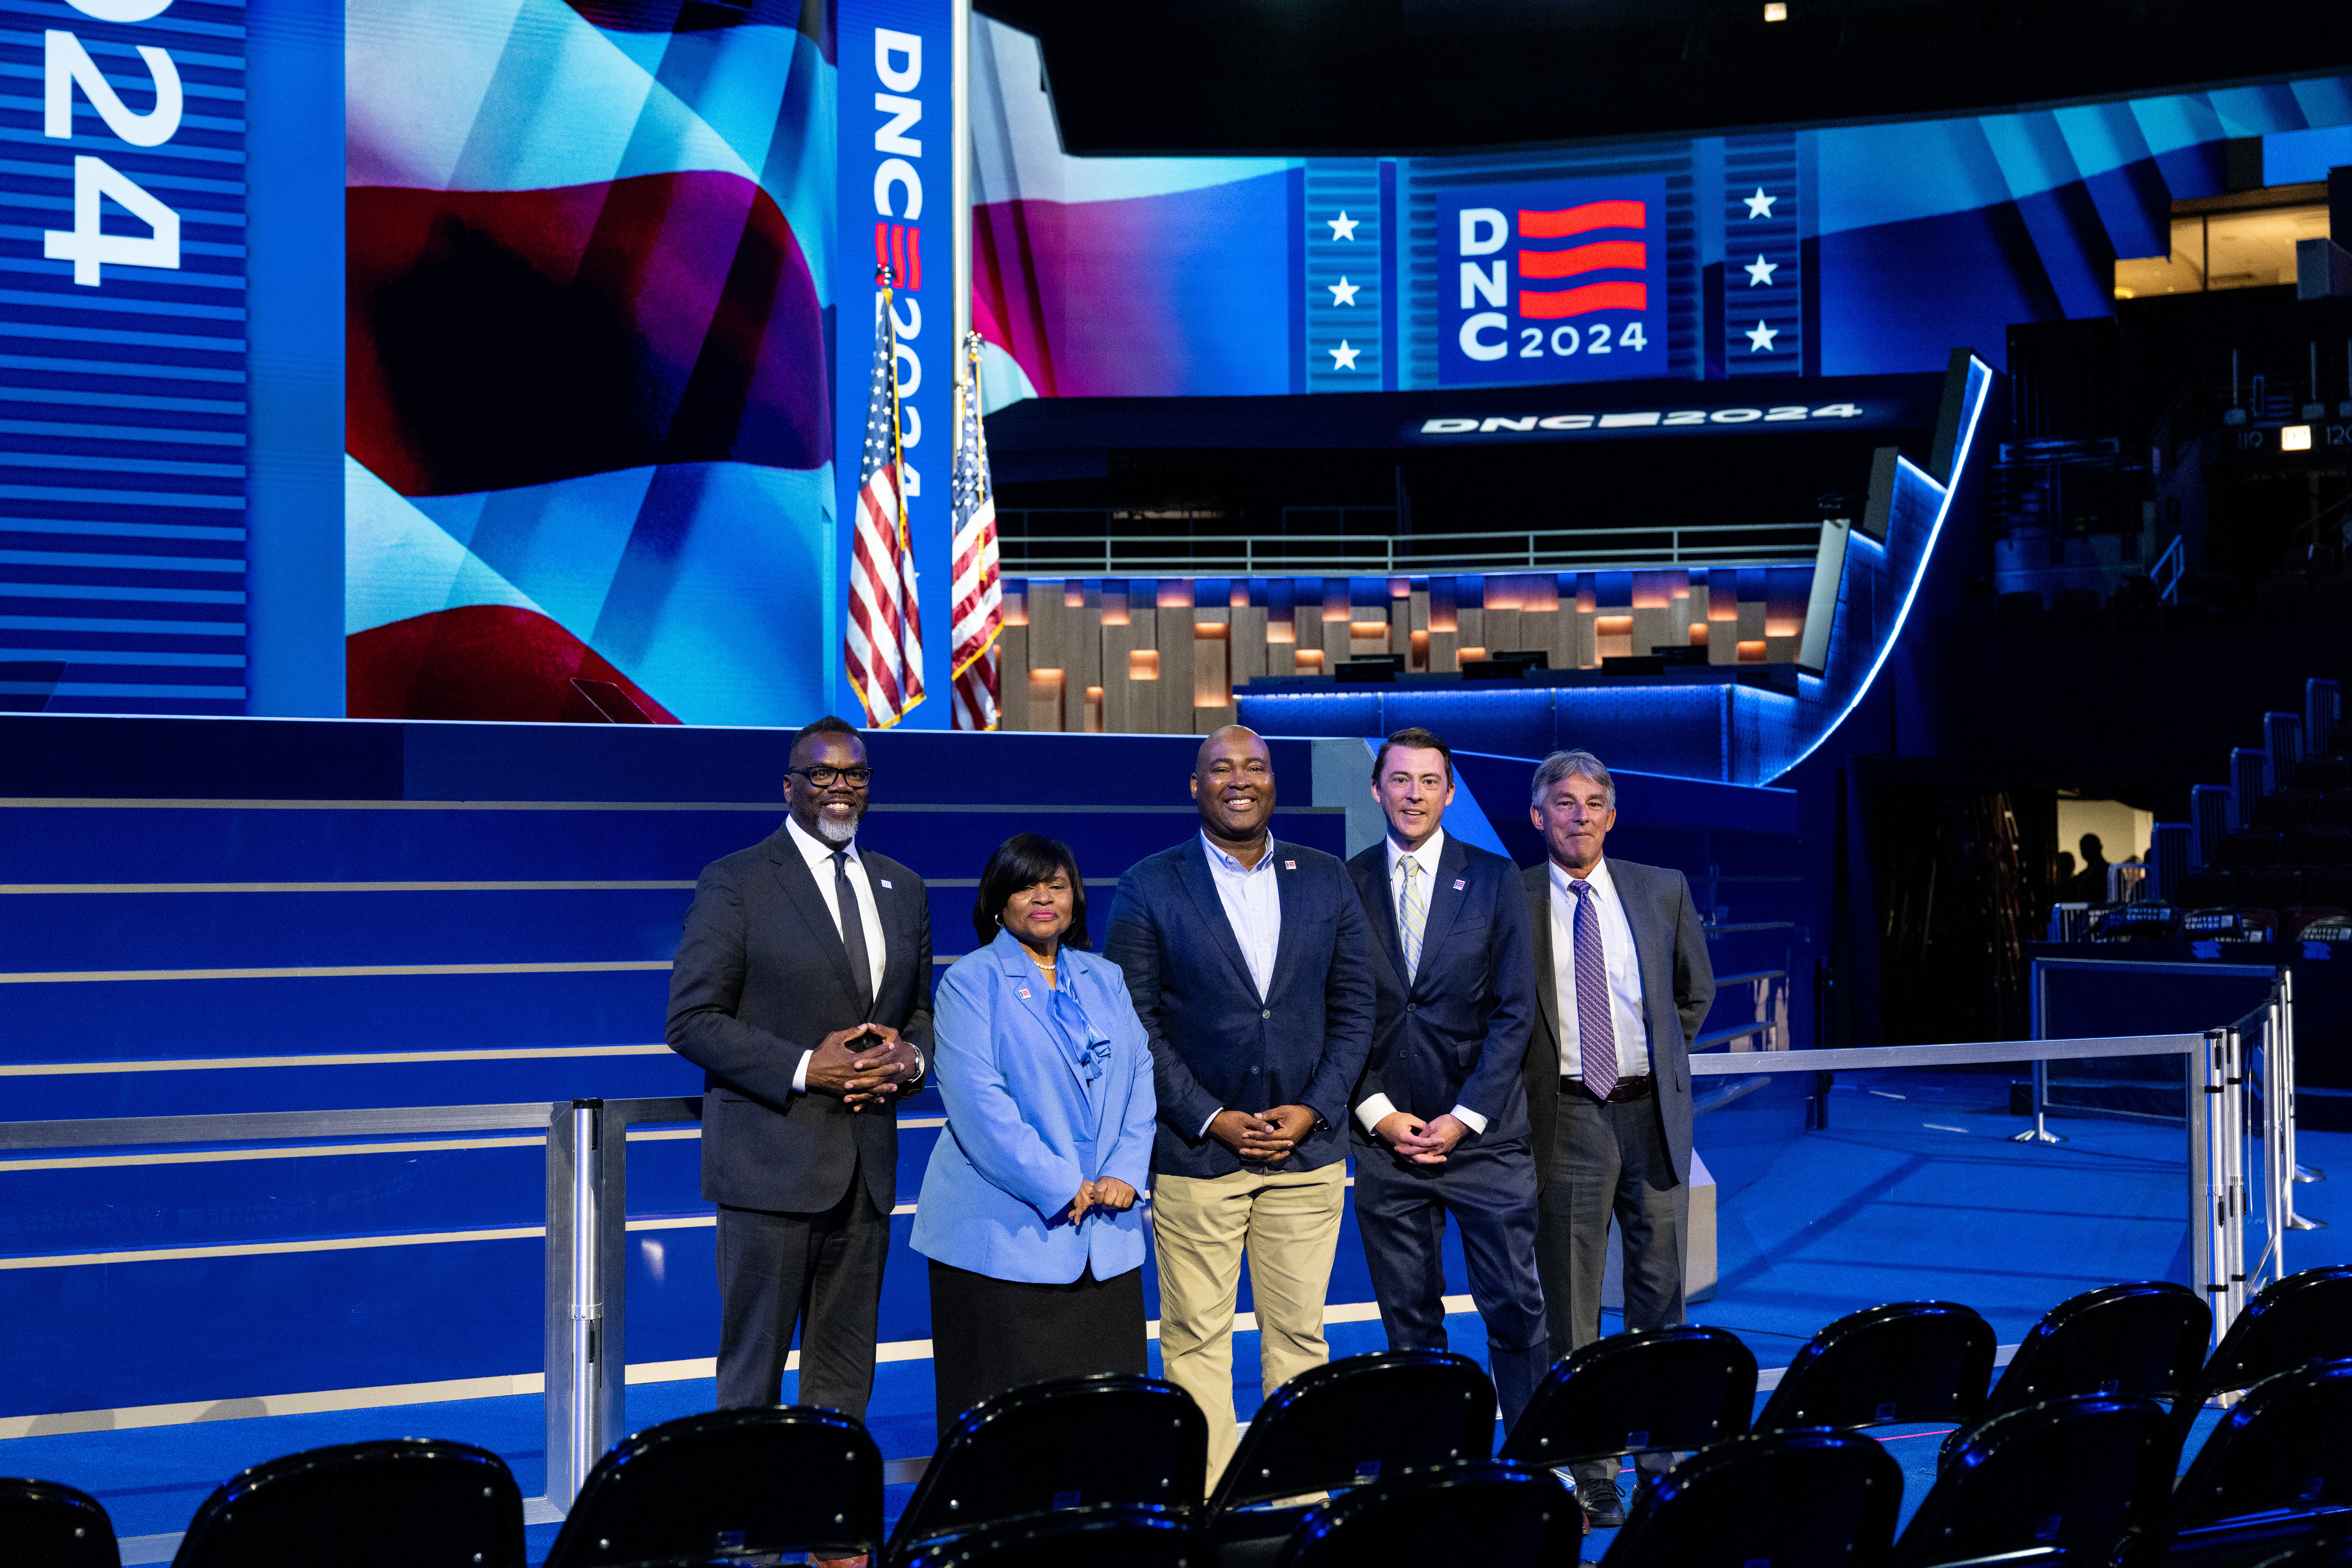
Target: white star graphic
1342 227
1759 204
1343 292
1760 338
1343 357
1759 272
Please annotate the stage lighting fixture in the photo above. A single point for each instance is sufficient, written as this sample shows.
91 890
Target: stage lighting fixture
2295 438
1776 12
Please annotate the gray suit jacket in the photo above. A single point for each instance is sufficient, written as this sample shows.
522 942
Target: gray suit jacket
762 977
1677 987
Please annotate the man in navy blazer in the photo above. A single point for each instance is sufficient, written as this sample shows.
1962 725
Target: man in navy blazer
1441 1116
1249 967
803 989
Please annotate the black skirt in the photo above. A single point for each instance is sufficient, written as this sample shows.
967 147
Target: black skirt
989 1335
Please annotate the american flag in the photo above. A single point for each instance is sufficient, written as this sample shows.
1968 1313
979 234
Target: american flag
884 644
979 597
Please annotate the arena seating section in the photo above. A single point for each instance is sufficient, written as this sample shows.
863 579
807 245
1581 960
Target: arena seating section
2071 1457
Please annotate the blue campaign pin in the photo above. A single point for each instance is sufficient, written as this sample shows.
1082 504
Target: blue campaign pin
1458 884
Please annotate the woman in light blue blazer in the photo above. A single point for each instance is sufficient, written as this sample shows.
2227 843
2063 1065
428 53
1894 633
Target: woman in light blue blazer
1028 1208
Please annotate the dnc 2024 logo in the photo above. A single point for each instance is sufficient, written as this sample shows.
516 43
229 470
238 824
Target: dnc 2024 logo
1552 280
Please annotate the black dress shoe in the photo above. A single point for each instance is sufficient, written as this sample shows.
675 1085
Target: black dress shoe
1603 1504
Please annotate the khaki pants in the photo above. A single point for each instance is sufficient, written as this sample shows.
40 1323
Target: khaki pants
1288 1221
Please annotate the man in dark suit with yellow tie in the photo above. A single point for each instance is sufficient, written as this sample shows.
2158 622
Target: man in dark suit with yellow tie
1442 1112
1624 979
803 989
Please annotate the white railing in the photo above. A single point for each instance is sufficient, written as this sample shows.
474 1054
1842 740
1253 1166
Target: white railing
1386 555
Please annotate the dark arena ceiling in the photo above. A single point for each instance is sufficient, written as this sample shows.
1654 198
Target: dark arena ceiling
1341 77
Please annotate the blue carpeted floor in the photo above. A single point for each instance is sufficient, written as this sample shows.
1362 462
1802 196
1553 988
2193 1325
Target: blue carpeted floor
1913 1192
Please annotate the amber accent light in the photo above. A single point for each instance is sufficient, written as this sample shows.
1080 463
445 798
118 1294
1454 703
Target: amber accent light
1308 660
1044 700
1093 719
1751 652
1369 631
1698 634
1420 657
1143 664
1464 656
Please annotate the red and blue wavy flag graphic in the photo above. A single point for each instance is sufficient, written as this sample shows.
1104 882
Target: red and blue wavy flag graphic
589 436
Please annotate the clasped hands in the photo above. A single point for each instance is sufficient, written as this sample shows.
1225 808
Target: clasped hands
868 1075
1263 1137
1106 1193
1423 1142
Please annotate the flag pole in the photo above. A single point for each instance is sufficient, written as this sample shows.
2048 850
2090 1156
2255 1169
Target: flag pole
959 165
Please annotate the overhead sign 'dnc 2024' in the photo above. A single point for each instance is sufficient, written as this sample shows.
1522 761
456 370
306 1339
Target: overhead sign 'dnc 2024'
1552 280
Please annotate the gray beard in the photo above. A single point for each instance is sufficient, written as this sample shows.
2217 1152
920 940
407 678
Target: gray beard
835 833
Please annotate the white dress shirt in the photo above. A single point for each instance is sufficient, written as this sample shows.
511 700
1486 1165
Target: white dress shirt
1254 909
1625 968
819 855
1425 858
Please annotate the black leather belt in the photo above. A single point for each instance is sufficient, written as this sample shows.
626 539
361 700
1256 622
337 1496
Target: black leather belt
1627 1090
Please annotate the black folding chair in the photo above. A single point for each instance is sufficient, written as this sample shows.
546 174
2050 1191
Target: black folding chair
46 1524
402 1502
2276 1473
1910 1361
1078 1538
1814 1497
1648 1391
1335 1426
1490 1512
2067 1478
782 1479
1113 1440
2147 1339
2302 1318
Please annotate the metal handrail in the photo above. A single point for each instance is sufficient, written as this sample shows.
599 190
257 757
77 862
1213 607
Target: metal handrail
2179 557
1662 548
587 1184
2214 1078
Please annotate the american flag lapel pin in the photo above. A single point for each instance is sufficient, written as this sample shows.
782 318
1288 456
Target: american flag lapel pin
1024 994
1459 884
886 882
1290 865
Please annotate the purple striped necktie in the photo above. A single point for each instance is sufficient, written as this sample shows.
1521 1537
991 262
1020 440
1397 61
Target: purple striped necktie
1596 1034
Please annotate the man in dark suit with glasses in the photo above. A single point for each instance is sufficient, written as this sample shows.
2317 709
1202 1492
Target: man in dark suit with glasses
803 989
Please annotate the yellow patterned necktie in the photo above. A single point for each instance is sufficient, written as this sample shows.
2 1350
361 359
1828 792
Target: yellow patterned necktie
1412 916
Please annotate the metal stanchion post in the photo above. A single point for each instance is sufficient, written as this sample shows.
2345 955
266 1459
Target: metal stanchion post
2232 1165
2295 1169
573 1349
581 1447
2038 1133
2207 1204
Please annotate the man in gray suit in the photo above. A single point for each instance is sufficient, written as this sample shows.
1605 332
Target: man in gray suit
803 989
1623 982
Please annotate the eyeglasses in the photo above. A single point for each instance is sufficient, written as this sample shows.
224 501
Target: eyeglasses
822 777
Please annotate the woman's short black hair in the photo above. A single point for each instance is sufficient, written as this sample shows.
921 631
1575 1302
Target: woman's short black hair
1022 861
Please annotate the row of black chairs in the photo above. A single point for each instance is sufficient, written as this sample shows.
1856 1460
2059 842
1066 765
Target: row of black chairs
2072 1443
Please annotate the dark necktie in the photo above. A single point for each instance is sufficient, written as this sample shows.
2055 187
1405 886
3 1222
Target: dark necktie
1596 1034
852 931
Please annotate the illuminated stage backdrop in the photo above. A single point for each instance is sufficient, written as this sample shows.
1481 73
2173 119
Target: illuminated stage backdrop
122 341
1857 250
590 443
